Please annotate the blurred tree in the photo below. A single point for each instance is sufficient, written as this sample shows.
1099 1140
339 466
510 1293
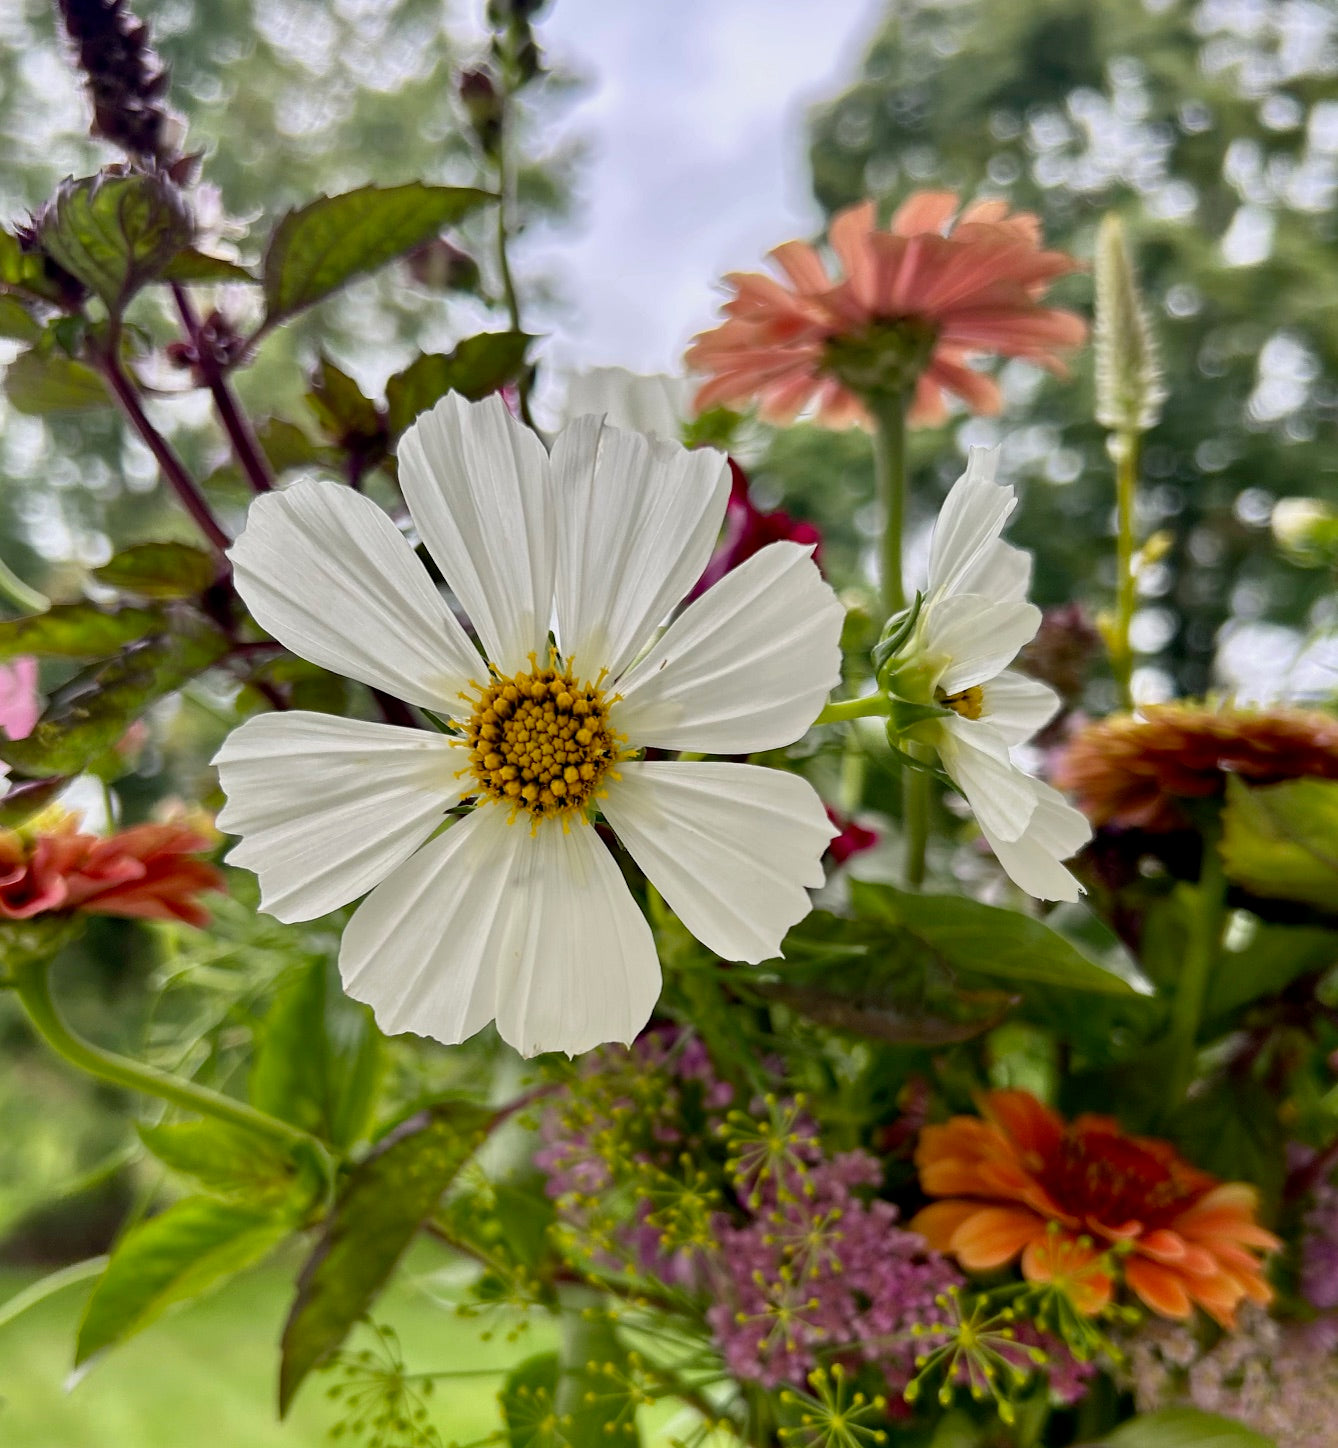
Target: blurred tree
1213 126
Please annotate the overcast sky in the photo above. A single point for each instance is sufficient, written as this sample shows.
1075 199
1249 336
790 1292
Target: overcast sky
695 117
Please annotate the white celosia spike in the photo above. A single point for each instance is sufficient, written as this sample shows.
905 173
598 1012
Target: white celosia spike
1130 385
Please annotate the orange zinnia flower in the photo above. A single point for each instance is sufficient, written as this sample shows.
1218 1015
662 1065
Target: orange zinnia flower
1075 1198
150 872
1132 770
915 302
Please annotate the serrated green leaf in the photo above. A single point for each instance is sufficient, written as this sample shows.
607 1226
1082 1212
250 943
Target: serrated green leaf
39 382
189 265
1183 1428
231 1163
478 366
288 1069
76 631
91 714
1281 840
115 232
986 940
193 1246
159 570
385 1201
317 249
17 321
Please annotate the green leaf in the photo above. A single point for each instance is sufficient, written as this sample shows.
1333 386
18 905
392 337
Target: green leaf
90 715
1183 1428
231 1163
385 1201
1274 957
990 941
41 382
315 250
1281 840
24 269
76 631
357 1064
345 415
288 1071
115 232
528 1399
1232 1129
193 1246
594 1400
17 321
478 366
159 570
190 265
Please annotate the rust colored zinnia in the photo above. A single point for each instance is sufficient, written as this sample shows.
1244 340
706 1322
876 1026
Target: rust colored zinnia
1077 1198
151 872
913 304
1132 770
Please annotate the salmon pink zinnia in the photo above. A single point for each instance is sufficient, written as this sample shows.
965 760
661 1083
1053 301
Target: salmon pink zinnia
914 304
1076 1197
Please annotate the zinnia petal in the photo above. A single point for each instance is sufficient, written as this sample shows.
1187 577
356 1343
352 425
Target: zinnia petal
747 666
327 807
537 930
733 848
476 481
636 519
325 571
991 1236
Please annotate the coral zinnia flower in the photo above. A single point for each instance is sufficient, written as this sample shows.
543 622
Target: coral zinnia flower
915 303
518 912
1065 1193
149 871
1131 769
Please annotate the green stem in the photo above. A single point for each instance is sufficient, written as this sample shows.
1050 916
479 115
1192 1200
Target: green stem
19 594
509 292
889 464
846 709
915 821
1126 487
1203 949
32 986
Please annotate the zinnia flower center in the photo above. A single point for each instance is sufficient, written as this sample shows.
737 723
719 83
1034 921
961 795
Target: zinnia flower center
540 740
969 703
1109 1178
886 357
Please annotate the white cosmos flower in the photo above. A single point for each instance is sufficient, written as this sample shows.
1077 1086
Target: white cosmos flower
974 619
518 912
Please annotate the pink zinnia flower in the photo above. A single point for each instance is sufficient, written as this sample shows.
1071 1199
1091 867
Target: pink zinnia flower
20 704
914 303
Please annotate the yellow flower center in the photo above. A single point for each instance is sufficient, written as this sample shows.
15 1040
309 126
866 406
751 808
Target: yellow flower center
540 741
969 703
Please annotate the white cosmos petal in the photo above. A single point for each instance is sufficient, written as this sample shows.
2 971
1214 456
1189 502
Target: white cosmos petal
1055 832
325 571
637 518
1018 706
655 404
327 807
733 848
476 481
970 521
978 636
746 666
489 921
1002 797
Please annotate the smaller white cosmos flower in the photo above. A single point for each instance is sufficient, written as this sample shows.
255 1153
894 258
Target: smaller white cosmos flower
973 620
518 912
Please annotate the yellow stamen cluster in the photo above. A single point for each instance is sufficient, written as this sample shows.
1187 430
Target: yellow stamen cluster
969 703
540 740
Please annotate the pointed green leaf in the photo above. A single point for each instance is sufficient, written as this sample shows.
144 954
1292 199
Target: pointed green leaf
344 413
385 1201
41 382
231 1163
478 366
17 321
288 1071
193 1246
1281 840
76 631
159 570
315 250
190 265
357 1064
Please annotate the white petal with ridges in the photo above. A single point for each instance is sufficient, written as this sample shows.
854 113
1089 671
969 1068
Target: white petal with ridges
1002 797
747 666
476 481
1018 706
325 571
637 519
490 921
733 848
978 637
1055 832
969 523
327 807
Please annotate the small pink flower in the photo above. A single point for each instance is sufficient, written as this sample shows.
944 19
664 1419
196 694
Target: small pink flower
926 295
854 838
20 703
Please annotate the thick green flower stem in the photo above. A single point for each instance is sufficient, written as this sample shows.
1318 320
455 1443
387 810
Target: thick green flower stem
845 710
32 986
889 462
914 822
1203 950
1125 450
